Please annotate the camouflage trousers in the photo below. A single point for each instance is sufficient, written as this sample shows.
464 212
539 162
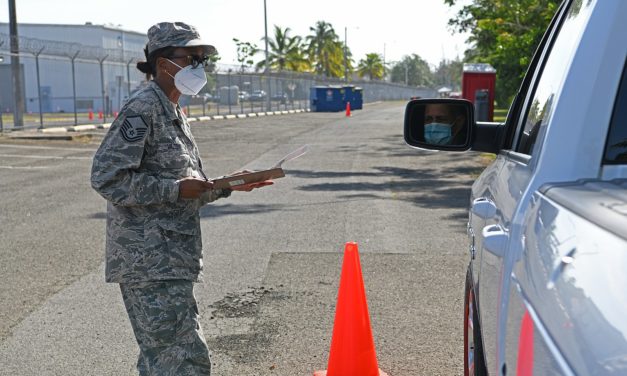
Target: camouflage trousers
165 320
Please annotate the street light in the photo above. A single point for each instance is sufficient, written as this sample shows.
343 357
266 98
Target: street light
345 55
346 50
267 68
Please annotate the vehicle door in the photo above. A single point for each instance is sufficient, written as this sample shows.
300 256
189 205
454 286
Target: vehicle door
529 163
565 285
503 188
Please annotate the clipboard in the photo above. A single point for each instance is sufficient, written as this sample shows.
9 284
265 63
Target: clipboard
258 176
247 178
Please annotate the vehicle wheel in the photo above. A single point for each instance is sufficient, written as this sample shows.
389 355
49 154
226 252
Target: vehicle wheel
473 352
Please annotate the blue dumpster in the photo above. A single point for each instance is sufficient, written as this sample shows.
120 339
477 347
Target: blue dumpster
348 94
354 95
358 99
327 99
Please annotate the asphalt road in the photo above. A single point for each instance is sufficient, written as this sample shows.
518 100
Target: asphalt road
272 257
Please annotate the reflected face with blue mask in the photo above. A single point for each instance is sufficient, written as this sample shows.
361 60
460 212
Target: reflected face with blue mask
439 126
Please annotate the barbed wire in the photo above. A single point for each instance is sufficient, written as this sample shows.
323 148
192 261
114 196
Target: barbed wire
63 50
68 49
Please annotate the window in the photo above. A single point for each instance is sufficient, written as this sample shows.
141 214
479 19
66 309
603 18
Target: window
616 147
540 108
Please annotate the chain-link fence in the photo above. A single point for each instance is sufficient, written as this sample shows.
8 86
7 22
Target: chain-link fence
69 84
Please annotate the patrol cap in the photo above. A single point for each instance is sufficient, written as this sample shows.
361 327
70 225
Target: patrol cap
175 34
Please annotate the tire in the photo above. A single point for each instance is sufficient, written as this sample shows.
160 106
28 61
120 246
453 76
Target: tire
474 363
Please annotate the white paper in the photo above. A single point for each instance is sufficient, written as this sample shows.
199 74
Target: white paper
293 155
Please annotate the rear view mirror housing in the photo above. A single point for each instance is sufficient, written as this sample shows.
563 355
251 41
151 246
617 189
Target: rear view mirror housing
439 124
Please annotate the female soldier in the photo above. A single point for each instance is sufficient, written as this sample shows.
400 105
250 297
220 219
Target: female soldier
149 170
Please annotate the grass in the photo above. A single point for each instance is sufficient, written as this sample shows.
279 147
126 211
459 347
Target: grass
500 114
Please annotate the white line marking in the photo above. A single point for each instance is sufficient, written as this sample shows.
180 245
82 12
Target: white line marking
42 157
45 147
24 167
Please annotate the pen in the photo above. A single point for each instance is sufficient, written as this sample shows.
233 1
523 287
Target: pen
203 174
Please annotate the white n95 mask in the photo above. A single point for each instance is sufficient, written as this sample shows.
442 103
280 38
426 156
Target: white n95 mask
189 80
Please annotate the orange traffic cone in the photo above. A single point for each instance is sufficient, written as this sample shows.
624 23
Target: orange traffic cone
352 347
91 114
348 109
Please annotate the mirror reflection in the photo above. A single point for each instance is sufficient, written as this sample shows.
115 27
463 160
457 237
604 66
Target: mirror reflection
440 124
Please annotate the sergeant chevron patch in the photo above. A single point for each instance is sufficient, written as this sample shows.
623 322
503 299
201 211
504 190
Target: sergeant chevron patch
134 128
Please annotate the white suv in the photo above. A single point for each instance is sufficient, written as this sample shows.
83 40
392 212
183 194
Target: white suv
547 278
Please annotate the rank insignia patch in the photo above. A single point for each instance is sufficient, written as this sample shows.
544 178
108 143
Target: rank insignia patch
134 128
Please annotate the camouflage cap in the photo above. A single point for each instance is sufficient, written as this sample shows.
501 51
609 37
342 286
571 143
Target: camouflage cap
175 34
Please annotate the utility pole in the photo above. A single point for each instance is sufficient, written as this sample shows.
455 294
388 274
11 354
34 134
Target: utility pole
345 55
265 24
385 67
18 96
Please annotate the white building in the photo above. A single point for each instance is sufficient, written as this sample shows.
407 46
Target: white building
91 46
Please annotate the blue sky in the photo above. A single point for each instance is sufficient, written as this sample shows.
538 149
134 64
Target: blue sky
398 27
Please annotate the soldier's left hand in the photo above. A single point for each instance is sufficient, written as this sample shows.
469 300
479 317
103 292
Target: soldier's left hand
251 186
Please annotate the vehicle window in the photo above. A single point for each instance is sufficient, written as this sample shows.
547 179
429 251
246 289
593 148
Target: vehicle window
540 107
616 147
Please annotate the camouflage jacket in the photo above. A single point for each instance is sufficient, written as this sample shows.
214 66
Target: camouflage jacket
152 234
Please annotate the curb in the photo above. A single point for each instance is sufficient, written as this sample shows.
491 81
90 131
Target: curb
73 131
84 127
53 130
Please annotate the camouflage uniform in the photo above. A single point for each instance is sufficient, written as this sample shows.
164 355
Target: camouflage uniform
164 317
153 241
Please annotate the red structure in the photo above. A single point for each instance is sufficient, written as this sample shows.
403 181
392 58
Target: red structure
478 82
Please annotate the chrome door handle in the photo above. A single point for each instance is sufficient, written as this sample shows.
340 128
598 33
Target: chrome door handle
483 208
495 240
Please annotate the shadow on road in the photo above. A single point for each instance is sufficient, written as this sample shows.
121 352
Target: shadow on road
427 188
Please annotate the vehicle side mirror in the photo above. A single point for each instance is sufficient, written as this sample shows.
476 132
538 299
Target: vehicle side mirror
439 124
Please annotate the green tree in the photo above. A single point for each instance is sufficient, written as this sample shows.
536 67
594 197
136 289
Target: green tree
449 73
413 71
371 66
211 67
325 51
245 53
285 52
505 34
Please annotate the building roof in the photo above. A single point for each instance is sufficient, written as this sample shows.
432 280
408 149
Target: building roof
479 68
111 27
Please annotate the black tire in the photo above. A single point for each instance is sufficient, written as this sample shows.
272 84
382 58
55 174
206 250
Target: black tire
478 368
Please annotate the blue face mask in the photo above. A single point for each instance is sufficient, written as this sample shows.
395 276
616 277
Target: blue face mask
438 133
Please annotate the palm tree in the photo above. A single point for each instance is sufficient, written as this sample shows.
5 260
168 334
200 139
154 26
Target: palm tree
325 50
285 52
371 66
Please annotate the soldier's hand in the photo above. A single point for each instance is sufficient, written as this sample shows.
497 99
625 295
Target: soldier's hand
193 188
251 186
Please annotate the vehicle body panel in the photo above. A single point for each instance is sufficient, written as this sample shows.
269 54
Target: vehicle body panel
555 133
571 274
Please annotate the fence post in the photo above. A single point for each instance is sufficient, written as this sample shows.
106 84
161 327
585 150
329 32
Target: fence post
229 90
128 75
218 94
72 58
102 85
241 104
41 114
